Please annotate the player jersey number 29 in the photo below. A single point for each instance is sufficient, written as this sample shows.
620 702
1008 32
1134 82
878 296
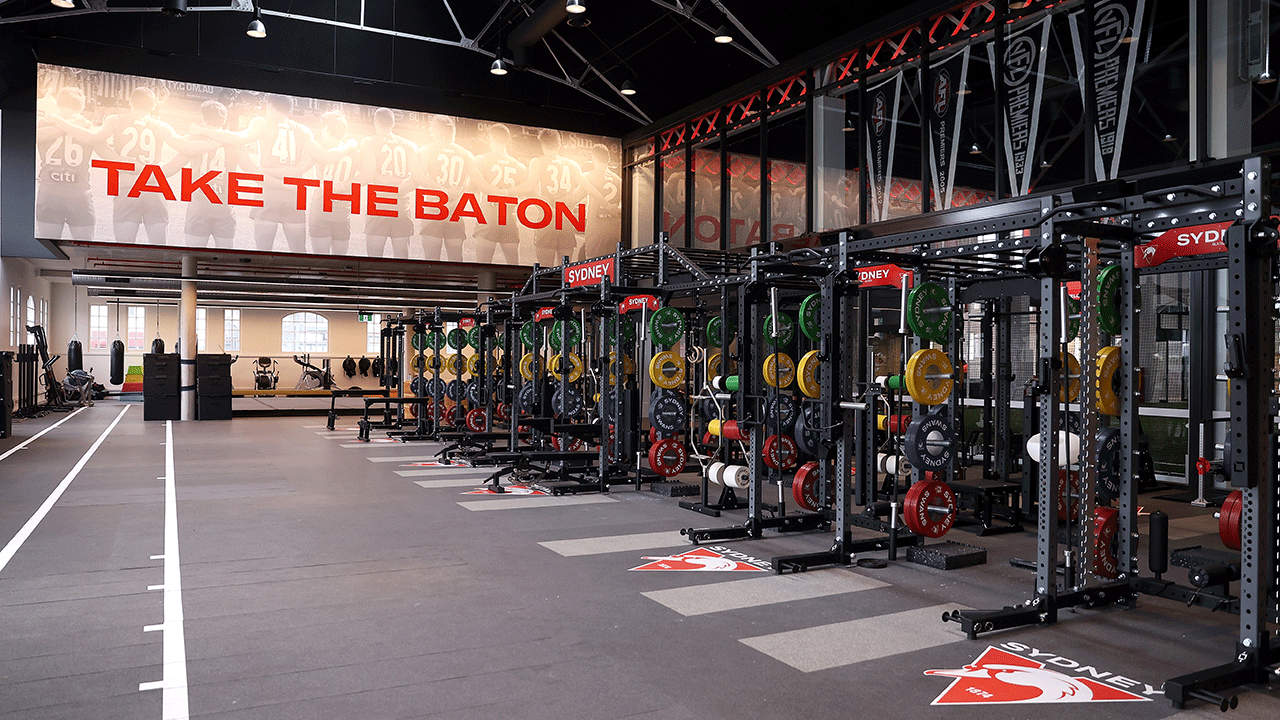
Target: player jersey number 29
140 140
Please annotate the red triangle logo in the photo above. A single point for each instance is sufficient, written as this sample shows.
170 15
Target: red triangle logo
432 463
698 560
998 676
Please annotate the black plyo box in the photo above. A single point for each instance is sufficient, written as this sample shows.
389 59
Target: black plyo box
671 488
947 555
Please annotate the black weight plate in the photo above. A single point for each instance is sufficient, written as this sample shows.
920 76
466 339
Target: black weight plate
473 392
528 399
567 402
669 413
707 408
1107 451
920 433
781 409
455 390
418 386
435 388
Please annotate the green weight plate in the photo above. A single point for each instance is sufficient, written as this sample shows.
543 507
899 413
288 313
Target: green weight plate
436 339
570 336
786 331
611 331
714 326
1073 319
499 340
809 308
531 335
929 312
1109 299
418 341
457 338
473 337
666 326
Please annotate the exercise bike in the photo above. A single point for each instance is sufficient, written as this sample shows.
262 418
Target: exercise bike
266 374
312 378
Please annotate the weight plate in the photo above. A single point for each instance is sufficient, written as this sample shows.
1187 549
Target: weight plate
433 362
781 411
611 327
714 328
1109 280
1073 319
1229 520
713 472
786 331
452 365
928 378
418 386
502 412
713 365
526 366
1106 528
1107 451
669 413
1070 390
499 340
557 362
450 415
667 457
473 364
930 508
808 434
1066 478
573 444
567 402
707 409
736 476
666 370
475 420
528 399
809 309
455 390
927 442
457 338
808 378
531 335
565 333
666 326
417 364
779 370
473 392
435 388
473 337
779 452
418 341
1108 366
804 487
929 312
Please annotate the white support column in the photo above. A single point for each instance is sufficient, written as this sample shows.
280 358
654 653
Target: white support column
486 283
187 337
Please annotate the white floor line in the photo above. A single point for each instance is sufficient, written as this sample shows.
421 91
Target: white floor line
9 550
450 483
174 699
616 543
402 458
446 471
768 590
35 437
524 502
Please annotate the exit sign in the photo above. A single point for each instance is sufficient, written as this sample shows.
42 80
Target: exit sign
364 317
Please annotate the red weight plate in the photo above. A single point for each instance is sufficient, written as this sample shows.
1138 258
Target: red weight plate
1062 495
667 457
1106 523
804 487
923 521
576 444
1229 520
780 452
475 420
503 412
653 435
413 410
729 430
451 415
555 443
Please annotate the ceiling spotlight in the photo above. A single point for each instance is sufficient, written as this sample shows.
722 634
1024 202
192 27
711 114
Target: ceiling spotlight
576 6
628 88
974 149
849 126
964 89
174 8
1169 138
498 67
63 3
1046 164
256 28
724 35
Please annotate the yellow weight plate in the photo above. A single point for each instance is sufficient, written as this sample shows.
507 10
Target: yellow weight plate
713 365
416 364
929 376
666 370
526 366
779 370
473 364
456 364
575 366
628 367
433 362
1071 389
1108 365
808 379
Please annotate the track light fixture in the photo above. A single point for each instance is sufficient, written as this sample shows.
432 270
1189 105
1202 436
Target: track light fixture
974 149
174 8
628 88
498 67
849 125
724 34
576 6
65 4
256 28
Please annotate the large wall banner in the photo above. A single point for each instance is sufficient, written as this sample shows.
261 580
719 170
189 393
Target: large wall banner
1025 53
945 114
880 128
132 160
1110 54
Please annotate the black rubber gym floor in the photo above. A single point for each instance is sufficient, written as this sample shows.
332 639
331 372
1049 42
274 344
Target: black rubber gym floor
321 578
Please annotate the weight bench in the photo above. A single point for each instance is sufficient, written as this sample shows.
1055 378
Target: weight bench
540 463
992 499
333 402
365 425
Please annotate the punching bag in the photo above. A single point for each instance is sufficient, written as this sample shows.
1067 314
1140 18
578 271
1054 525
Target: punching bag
117 363
157 347
75 356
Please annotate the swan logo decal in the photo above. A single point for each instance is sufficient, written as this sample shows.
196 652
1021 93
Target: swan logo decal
717 559
999 676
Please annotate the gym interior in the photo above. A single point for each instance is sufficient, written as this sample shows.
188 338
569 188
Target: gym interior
663 360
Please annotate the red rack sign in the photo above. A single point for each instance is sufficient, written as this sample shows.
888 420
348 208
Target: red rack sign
1183 242
884 276
543 314
467 322
636 302
590 273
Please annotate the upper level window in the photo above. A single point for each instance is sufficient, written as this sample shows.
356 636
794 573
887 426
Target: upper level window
137 327
97 327
304 332
231 330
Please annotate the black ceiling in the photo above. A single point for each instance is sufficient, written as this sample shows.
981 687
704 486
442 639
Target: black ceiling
671 57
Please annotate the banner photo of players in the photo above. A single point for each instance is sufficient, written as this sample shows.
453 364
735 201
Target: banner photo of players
131 160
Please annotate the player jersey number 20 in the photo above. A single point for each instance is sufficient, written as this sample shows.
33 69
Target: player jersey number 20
395 161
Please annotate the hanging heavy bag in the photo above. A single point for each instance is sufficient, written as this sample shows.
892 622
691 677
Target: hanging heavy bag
117 363
157 347
364 366
377 366
349 366
75 356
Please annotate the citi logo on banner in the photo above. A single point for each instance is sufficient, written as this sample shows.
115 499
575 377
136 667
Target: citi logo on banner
1001 675
713 559
591 273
